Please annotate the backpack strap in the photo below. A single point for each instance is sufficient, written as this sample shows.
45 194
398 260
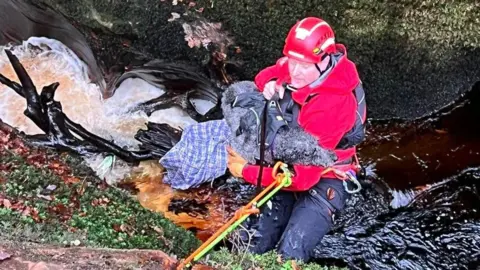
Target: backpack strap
357 134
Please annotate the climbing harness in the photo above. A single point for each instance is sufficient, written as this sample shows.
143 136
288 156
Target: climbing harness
282 180
345 176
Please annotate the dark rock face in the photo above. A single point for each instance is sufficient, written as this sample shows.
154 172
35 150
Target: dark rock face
20 20
413 57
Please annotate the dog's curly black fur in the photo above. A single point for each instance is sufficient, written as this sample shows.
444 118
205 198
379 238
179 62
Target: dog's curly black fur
292 146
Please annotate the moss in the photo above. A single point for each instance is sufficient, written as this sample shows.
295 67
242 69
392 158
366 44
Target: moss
413 56
86 211
224 260
90 214
144 22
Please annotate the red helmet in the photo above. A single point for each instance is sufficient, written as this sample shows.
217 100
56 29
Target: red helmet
309 39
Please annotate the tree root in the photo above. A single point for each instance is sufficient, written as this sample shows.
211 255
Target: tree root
47 114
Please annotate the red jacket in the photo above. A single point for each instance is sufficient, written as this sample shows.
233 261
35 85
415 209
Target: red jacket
328 115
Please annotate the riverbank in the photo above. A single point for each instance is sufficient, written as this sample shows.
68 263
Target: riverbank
51 201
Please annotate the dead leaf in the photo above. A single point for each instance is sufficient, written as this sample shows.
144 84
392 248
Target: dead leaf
117 228
82 188
18 205
34 215
441 131
4 256
174 17
36 159
279 259
70 179
202 267
295 266
158 230
7 204
48 198
27 211
127 229
100 202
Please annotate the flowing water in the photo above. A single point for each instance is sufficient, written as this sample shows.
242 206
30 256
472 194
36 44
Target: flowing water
419 208
48 61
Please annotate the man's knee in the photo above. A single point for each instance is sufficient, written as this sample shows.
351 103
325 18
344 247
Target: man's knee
265 230
312 219
307 226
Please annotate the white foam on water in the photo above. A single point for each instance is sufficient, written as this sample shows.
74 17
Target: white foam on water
48 61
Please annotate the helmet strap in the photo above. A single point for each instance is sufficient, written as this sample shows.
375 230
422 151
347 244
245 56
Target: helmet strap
328 65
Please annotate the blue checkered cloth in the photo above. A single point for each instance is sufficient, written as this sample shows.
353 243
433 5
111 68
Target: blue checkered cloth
200 156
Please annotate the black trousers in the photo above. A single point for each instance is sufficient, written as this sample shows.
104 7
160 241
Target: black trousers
295 223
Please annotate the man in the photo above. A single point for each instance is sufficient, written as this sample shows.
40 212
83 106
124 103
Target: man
326 86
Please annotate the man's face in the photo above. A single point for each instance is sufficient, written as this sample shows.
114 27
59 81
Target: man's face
302 73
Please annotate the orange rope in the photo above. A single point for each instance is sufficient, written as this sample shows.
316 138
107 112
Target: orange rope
249 210
238 214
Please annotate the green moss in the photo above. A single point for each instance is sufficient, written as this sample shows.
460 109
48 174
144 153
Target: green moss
223 259
413 56
96 216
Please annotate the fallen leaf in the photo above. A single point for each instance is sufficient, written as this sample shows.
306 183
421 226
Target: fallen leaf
7 204
70 179
34 215
18 205
117 228
441 131
27 211
295 266
48 198
202 267
158 230
4 256
174 17
279 259
127 229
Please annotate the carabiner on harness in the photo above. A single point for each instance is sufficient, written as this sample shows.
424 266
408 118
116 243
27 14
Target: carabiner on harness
350 175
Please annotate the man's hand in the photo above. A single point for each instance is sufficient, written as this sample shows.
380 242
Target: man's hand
270 89
236 163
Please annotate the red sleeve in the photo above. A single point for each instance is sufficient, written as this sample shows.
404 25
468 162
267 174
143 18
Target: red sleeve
303 179
279 70
329 126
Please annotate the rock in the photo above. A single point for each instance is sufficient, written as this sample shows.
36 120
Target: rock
413 57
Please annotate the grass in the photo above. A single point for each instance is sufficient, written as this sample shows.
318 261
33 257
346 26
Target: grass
55 199
84 212
224 259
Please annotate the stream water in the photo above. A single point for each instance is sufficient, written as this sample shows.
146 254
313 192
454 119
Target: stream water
419 208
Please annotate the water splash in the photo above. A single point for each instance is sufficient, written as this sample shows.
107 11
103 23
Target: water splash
48 61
